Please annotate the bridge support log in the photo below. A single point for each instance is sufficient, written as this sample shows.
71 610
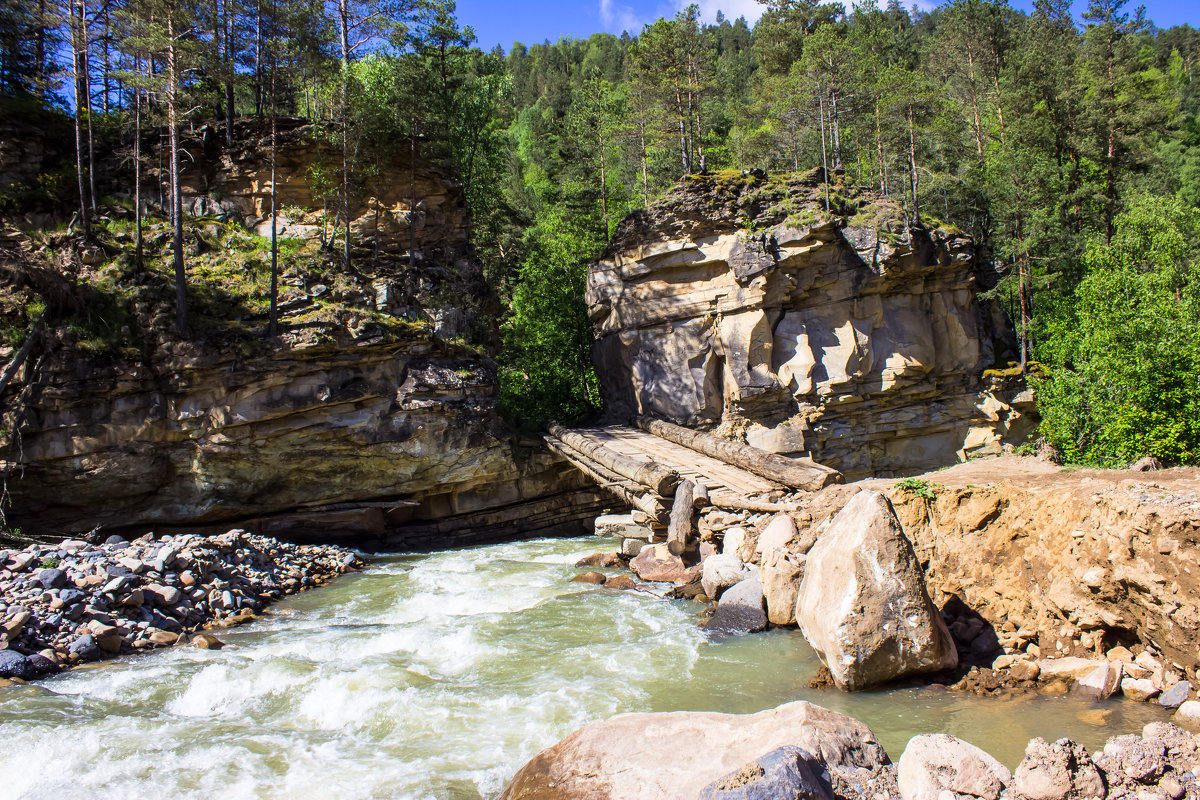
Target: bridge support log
654 476
638 497
807 475
681 531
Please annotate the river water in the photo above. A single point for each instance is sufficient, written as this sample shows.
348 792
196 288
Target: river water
437 676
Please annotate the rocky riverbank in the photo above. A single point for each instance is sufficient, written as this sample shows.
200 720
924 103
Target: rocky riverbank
74 602
811 752
1044 580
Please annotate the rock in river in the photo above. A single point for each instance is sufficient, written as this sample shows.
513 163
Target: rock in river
863 605
785 772
676 755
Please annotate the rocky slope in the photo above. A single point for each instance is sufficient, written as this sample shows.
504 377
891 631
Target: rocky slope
372 415
738 300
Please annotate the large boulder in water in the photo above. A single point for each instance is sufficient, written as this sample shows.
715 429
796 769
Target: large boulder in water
863 605
676 755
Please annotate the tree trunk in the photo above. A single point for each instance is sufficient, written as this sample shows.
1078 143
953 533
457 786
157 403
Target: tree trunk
76 37
273 325
87 95
807 475
645 175
181 311
912 162
139 250
824 157
654 476
230 73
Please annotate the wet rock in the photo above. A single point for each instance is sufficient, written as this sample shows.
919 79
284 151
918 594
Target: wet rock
741 609
781 575
676 755
1175 696
623 582
40 666
863 605
1099 684
85 647
1139 689
161 637
657 563
936 763
785 772
14 665
720 572
206 641
597 578
611 560
1059 771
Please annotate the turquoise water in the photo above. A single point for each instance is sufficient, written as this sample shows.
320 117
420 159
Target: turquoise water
437 676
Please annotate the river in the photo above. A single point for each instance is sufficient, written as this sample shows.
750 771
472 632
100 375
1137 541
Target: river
438 675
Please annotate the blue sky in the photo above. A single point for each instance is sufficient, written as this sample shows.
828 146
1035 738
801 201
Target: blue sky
530 21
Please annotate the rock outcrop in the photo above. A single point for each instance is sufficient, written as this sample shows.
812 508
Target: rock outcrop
640 755
369 418
863 605
850 337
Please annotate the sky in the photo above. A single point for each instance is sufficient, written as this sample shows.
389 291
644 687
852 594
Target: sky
501 22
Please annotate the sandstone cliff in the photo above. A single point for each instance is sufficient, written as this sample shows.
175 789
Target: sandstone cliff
370 416
849 336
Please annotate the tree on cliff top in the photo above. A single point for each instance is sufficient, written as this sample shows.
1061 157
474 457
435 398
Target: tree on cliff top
1124 369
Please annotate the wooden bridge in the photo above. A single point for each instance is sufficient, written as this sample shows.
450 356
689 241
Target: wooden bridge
666 472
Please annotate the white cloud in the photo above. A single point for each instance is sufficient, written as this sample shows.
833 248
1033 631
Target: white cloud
617 17
732 9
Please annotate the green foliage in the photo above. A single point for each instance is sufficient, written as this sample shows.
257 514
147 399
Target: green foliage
546 370
918 488
1123 377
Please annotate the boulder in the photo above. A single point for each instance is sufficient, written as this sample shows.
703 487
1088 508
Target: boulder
936 762
779 531
52 578
620 526
1188 715
732 541
788 771
612 560
742 609
657 563
721 572
676 755
1099 684
862 603
1175 696
1059 771
1069 669
632 547
597 578
781 575
1138 688
14 665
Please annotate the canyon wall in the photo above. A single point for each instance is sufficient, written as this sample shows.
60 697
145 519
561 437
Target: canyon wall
738 301
370 417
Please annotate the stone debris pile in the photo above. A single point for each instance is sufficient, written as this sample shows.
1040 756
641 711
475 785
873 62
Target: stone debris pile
72 602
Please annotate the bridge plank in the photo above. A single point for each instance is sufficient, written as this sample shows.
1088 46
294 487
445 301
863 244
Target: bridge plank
693 466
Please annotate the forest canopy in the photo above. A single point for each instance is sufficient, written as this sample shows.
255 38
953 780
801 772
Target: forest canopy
1070 152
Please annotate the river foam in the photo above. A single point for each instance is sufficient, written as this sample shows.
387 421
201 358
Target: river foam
437 676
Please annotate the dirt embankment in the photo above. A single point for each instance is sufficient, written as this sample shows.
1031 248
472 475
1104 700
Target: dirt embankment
1059 562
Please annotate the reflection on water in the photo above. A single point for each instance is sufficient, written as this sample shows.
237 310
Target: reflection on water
437 676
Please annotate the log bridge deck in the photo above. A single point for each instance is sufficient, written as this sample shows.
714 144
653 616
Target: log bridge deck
666 472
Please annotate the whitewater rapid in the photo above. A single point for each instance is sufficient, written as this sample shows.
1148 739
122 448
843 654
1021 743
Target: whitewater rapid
437 676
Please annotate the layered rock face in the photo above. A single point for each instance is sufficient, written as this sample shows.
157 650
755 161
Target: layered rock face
201 438
737 300
346 426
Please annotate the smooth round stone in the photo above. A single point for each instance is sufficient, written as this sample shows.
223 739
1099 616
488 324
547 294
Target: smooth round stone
14 665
